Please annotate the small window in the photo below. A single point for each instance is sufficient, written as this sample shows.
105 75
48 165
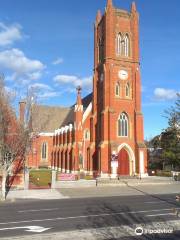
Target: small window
119 44
87 135
123 125
126 46
117 89
127 90
44 151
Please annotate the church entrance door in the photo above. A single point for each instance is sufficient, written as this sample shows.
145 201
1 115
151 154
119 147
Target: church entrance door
123 162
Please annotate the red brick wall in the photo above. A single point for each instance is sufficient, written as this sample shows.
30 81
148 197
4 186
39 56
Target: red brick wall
35 158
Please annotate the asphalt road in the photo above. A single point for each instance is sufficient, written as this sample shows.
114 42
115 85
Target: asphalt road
98 213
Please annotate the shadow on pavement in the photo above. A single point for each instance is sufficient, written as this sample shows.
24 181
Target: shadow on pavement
122 226
175 204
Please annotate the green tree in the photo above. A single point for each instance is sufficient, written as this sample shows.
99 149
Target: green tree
155 142
170 144
170 137
173 114
154 153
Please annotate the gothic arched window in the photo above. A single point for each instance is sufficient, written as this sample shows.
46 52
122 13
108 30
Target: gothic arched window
119 44
127 90
126 46
44 151
123 125
117 89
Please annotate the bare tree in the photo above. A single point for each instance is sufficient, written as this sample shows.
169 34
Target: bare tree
15 136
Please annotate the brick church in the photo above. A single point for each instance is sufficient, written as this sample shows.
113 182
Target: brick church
103 133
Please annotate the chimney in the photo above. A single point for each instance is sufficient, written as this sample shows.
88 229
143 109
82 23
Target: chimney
22 107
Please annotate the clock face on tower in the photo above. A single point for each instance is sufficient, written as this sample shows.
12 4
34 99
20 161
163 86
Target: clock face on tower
123 75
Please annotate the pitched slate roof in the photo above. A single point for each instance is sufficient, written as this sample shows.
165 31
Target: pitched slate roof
86 100
48 118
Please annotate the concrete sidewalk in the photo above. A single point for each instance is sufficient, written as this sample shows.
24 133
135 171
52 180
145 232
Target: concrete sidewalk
105 187
119 190
44 194
89 192
151 180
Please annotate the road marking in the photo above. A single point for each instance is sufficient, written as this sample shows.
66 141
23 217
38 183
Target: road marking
36 229
119 232
160 214
86 216
155 202
38 210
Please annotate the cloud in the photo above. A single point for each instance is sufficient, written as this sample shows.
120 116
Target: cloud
15 60
85 82
9 34
40 86
58 61
165 94
43 90
34 75
23 68
49 94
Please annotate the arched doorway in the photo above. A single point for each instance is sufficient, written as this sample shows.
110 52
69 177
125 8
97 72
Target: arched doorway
128 160
123 162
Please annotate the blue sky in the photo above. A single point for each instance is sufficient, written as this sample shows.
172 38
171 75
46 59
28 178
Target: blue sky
48 44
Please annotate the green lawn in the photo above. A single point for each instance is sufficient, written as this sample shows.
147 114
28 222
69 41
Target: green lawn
40 177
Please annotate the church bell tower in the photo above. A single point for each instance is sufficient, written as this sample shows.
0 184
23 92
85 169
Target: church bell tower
117 132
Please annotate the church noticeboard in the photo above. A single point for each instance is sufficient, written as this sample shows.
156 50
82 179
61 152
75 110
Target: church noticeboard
114 160
114 163
66 177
